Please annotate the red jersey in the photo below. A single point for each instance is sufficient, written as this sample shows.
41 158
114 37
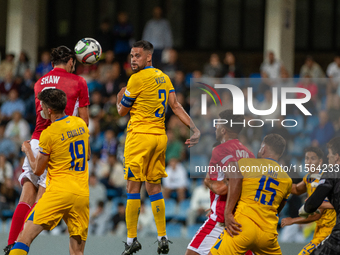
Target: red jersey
73 85
222 155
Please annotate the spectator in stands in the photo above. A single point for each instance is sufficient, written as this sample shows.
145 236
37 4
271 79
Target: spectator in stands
105 36
7 66
14 104
307 83
333 108
171 64
26 88
17 129
312 69
8 197
109 145
176 181
230 68
6 169
158 32
97 191
271 66
333 69
199 203
324 132
97 139
7 85
44 66
179 82
113 177
7 147
146 226
98 220
266 104
123 34
118 220
252 135
106 66
114 81
93 84
214 68
23 64
174 148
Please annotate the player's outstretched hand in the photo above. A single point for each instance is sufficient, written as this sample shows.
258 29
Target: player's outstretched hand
25 146
193 139
286 222
231 226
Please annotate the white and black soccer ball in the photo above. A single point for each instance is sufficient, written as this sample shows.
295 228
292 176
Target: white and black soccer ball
88 51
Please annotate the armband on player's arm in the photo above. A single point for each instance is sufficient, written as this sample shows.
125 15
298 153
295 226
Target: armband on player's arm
124 103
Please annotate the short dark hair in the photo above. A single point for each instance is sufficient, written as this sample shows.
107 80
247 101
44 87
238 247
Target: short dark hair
145 45
276 142
55 99
61 55
334 145
316 150
228 115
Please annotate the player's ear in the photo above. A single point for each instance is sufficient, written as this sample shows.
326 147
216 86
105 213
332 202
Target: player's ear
149 57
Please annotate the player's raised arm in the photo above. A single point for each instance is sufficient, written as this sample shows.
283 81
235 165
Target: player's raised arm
122 110
300 188
185 118
218 187
234 192
38 164
83 113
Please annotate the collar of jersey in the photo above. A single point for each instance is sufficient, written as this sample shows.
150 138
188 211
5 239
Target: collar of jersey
64 117
148 67
60 69
272 159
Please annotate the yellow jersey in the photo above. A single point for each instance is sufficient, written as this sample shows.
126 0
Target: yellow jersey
328 217
147 94
66 141
264 186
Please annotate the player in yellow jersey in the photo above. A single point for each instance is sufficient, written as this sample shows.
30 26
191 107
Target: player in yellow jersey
325 220
64 149
146 96
260 188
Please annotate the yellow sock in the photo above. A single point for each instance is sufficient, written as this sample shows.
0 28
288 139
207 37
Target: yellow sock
19 249
132 213
158 209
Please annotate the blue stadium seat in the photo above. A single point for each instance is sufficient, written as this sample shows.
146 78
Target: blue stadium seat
255 81
297 129
170 209
192 230
197 160
183 209
173 230
115 203
311 123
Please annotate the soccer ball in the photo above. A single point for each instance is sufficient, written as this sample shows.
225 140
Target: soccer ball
88 51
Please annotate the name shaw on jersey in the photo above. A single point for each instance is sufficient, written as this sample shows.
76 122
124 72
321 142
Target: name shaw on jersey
73 133
50 79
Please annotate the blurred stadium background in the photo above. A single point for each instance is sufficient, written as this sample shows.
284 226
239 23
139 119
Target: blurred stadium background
256 39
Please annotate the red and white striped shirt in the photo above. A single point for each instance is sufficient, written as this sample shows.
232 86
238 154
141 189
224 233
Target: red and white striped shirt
222 155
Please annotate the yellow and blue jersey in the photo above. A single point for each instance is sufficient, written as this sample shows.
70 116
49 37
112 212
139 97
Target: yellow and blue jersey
264 186
328 217
66 141
147 94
